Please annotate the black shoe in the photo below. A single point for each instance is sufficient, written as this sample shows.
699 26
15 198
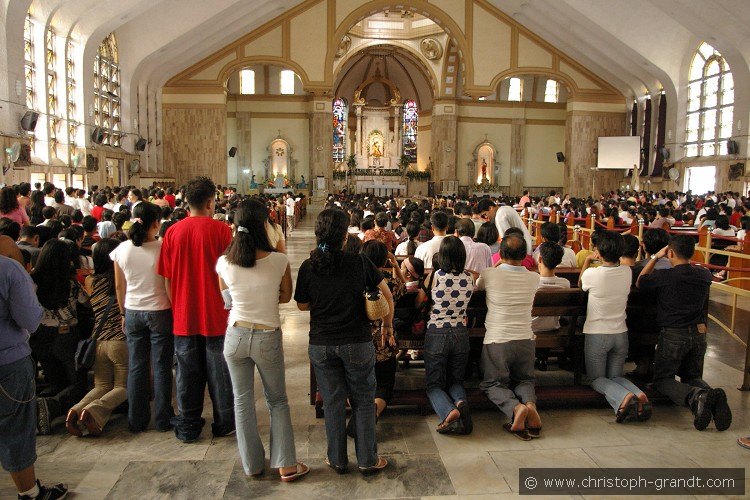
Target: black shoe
54 492
720 409
701 407
463 409
43 426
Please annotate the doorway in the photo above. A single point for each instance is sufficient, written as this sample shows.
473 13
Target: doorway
701 180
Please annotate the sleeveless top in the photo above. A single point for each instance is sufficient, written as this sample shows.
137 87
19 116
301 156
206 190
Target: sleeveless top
450 297
112 329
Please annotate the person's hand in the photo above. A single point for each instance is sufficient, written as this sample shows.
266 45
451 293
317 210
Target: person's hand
392 259
122 323
662 253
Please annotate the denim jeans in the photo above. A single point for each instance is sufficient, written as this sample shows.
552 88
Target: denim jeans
149 336
446 353
605 356
244 350
18 415
200 362
680 351
347 371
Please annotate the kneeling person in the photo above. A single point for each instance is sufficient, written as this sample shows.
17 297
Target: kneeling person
509 347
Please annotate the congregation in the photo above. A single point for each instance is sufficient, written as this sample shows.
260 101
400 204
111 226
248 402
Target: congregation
183 286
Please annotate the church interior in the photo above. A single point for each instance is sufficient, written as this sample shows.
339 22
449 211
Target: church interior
414 98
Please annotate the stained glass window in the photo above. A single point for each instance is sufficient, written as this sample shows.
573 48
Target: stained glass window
339 130
107 91
551 91
247 82
411 118
710 109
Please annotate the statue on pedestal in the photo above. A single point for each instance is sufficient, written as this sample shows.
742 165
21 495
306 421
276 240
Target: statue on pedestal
278 183
484 169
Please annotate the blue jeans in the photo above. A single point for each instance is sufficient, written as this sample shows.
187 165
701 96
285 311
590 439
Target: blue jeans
446 353
18 415
244 350
200 362
150 349
347 371
605 356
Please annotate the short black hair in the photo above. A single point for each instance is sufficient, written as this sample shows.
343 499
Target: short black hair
464 227
488 233
49 212
655 239
29 232
452 255
630 246
550 232
381 219
376 251
200 191
513 246
439 221
89 223
682 245
551 254
484 205
610 246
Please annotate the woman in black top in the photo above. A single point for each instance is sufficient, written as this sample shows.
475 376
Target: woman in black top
331 285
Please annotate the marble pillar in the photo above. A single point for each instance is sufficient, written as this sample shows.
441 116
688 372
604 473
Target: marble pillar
358 149
321 141
517 158
582 131
444 141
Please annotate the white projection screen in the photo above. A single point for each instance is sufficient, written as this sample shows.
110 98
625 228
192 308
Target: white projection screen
619 152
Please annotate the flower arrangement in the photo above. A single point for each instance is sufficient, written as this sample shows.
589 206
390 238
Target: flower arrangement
485 187
417 175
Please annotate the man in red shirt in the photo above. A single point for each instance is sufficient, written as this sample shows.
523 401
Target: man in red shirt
187 262
170 198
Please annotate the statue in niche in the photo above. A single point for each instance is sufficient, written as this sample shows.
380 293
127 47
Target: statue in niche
484 169
431 49
253 184
344 45
279 182
302 184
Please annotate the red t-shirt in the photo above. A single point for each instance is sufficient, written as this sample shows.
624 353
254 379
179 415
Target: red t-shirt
735 219
97 213
169 198
188 259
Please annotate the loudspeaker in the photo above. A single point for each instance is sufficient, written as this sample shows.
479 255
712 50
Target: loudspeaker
560 157
28 121
97 135
664 153
732 147
140 144
232 151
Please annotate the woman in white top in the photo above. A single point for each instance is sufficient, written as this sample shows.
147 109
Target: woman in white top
255 279
147 320
606 343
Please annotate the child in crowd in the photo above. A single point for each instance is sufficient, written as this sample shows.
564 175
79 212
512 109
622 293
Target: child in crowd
550 256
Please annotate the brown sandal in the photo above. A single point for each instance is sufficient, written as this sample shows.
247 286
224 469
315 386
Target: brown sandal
382 464
302 471
523 434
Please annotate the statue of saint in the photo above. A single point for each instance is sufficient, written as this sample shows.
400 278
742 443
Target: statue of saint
279 182
302 184
253 184
484 169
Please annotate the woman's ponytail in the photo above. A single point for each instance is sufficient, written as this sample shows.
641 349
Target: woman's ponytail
145 214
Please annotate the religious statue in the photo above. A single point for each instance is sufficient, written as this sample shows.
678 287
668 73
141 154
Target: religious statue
431 49
376 152
279 182
636 178
253 184
302 184
484 169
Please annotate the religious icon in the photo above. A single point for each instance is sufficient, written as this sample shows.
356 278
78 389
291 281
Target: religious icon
376 151
484 169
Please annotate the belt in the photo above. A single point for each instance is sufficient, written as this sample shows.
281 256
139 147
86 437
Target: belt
254 326
693 329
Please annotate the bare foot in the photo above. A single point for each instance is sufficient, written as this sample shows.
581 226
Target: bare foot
520 413
533 420
452 416
625 402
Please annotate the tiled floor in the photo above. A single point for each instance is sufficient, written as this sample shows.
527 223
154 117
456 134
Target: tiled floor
424 463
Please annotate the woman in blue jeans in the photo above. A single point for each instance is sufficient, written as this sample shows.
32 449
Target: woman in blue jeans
606 344
331 285
255 279
446 343
147 320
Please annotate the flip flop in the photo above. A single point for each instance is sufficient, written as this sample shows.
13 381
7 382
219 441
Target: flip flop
631 409
302 470
523 434
645 413
456 427
534 432
382 464
744 445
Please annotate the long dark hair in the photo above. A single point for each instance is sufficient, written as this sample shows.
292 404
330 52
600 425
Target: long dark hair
104 268
8 200
52 274
412 229
452 255
145 214
250 220
330 230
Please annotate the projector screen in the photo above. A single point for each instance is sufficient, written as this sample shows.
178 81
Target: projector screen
619 152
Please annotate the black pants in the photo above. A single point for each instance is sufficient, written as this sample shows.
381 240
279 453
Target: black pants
680 352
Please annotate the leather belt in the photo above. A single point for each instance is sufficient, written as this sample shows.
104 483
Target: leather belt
254 326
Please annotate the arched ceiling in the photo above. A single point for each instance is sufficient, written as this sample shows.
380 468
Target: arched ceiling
638 45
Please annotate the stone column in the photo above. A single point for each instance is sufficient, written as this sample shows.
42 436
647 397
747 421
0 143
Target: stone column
583 128
444 141
358 148
517 158
321 141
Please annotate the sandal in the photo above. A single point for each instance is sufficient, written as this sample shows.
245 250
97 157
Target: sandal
645 413
382 464
523 434
744 442
631 408
454 427
534 432
71 423
302 470
341 469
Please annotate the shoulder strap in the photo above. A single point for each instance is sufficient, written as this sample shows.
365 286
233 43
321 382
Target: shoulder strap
105 316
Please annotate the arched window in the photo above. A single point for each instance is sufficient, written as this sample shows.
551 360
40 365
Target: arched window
411 118
247 82
710 108
287 81
551 91
107 91
339 130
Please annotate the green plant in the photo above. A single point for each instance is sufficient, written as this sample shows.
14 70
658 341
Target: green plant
416 175
339 174
351 162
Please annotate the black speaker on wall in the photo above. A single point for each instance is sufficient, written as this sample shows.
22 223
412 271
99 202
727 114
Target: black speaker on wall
28 121
140 144
97 135
232 151
732 147
560 157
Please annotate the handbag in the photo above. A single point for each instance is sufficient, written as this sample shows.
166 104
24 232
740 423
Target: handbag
376 305
86 350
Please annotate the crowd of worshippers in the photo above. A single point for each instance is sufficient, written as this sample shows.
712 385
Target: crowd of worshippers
194 278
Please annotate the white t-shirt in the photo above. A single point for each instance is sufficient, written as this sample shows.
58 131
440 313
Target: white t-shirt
546 323
401 249
428 249
255 290
510 297
146 290
289 209
608 289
